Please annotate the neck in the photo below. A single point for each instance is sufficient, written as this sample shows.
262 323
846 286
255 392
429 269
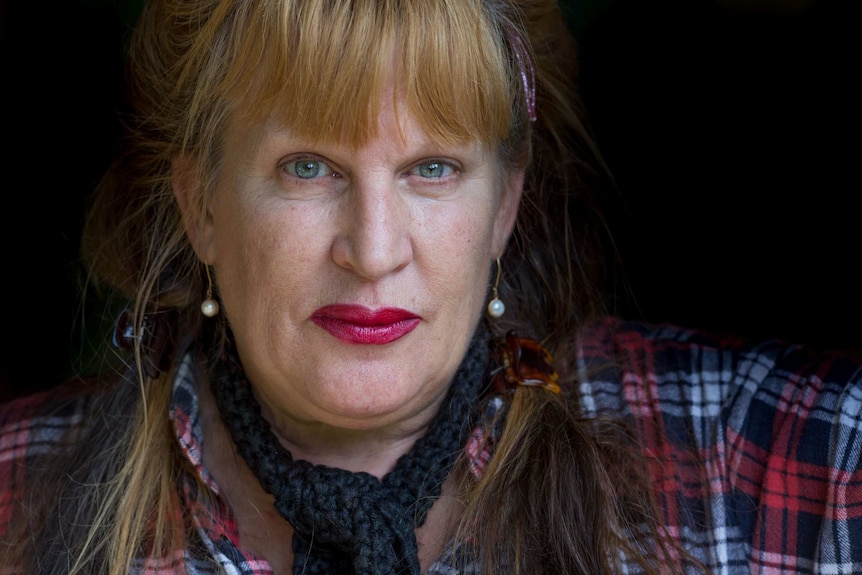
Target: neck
373 450
262 530
343 518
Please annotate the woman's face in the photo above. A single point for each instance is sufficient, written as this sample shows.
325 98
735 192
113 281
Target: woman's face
353 279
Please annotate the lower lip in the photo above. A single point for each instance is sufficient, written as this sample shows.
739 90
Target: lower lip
366 334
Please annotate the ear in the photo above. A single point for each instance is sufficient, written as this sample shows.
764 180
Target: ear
189 194
507 213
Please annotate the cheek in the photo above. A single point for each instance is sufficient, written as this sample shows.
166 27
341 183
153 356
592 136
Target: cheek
249 244
460 251
276 253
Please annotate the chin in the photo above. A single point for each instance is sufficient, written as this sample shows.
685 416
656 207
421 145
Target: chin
359 406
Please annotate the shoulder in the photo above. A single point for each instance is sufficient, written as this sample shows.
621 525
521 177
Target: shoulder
769 429
628 366
680 353
753 397
34 424
69 391
620 362
39 425
613 338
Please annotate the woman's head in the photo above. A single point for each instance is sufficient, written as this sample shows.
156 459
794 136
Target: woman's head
323 69
234 105
352 276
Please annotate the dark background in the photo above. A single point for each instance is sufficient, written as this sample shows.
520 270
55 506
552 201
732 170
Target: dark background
730 127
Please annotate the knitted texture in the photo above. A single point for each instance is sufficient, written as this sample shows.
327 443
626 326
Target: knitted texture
347 522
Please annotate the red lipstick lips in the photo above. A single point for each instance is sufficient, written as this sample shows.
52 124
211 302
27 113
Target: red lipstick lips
358 324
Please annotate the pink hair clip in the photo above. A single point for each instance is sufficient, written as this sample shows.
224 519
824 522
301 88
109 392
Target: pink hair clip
528 74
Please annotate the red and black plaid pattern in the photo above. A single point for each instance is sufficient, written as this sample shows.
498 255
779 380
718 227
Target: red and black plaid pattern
755 451
756 447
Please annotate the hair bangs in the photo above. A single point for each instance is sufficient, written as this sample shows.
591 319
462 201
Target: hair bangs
312 66
455 73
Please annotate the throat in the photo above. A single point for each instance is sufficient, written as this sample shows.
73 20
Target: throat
342 518
372 453
263 532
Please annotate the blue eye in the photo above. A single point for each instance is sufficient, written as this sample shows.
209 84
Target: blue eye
434 169
307 169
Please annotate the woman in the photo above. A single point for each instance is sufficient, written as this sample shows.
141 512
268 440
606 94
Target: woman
344 228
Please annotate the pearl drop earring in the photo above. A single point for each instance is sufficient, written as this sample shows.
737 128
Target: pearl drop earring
496 308
209 307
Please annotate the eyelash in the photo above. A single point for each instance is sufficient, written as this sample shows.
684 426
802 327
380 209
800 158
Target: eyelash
447 167
290 167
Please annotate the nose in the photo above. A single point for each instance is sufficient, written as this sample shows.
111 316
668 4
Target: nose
375 238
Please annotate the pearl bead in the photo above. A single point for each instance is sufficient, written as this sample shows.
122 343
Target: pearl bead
209 307
496 308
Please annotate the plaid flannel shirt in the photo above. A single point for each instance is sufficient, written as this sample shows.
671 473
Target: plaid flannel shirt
756 451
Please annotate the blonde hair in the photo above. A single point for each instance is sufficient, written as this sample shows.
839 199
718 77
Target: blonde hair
321 67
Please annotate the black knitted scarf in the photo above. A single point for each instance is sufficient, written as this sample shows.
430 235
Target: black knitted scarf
353 523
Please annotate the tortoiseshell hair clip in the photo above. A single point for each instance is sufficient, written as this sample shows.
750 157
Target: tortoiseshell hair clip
523 361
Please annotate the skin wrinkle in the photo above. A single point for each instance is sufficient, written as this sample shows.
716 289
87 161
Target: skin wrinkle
251 197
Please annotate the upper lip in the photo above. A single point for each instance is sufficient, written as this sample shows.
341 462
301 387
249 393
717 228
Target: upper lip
362 315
